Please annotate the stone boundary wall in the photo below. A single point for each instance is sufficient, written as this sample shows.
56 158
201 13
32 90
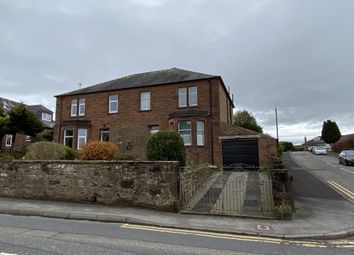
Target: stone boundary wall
150 184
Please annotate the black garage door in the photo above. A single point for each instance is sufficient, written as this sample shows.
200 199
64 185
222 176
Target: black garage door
243 151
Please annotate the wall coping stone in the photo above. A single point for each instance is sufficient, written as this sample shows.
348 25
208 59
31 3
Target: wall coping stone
92 161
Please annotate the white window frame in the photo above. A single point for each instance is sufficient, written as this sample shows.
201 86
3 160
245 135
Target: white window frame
82 106
73 108
154 129
190 94
104 131
46 116
185 130
200 126
113 99
145 101
182 97
8 140
68 136
79 137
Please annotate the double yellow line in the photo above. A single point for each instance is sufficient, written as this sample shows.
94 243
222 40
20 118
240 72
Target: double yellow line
342 190
270 240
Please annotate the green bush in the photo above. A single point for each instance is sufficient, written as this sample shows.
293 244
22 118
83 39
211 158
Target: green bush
70 153
166 145
8 154
49 151
286 146
97 150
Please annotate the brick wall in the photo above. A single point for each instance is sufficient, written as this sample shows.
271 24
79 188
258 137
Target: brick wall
146 184
164 102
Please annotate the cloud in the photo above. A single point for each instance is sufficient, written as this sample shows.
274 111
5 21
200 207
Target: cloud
295 55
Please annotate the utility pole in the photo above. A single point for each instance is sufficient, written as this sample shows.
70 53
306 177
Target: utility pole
276 124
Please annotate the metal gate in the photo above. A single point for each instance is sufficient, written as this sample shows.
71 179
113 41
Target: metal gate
236 190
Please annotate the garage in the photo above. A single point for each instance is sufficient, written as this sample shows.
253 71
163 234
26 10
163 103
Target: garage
236 151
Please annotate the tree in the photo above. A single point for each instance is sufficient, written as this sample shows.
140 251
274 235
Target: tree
246 120
3 123
22 120
330 132
287 146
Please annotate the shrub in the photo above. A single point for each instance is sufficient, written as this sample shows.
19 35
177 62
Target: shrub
97 150
70 153
49 151
166 145
9 154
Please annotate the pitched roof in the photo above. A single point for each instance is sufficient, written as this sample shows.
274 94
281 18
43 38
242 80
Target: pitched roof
39 108
7 104
346 138
166 76
314 142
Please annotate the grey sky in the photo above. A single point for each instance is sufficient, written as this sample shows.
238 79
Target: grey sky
296 55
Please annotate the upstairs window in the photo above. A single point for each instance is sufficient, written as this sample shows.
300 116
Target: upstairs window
187 97
200 133
73 107
145 101
81 137
113 104
185 131
46 116
8 140
104 134
82 107
193 96
182 97
68 137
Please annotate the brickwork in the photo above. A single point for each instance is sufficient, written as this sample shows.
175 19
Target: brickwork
164 112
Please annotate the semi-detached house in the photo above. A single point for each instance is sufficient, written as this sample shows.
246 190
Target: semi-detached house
196 105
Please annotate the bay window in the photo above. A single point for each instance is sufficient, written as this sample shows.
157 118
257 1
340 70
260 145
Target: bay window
185 131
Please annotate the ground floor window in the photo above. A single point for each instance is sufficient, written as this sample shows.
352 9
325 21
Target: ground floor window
185 131
154 129
8 140
68 137
104 134
81 137
200 133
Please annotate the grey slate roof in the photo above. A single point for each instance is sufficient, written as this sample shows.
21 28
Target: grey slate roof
173 75
39 108
7 104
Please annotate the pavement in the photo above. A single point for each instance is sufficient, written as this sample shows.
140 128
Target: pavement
315 217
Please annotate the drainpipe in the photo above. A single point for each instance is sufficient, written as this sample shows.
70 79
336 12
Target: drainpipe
211 122
58 118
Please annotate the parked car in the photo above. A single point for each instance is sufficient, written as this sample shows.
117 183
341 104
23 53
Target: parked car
346 157
318 150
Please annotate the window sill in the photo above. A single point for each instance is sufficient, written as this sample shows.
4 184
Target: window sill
145 110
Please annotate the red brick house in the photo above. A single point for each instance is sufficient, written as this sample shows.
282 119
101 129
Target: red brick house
22 140
193 104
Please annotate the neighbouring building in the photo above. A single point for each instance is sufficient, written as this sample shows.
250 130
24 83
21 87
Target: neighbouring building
315 142
125 110
345 142
43 114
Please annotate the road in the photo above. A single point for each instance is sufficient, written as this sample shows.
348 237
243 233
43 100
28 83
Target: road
41 236
326 168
